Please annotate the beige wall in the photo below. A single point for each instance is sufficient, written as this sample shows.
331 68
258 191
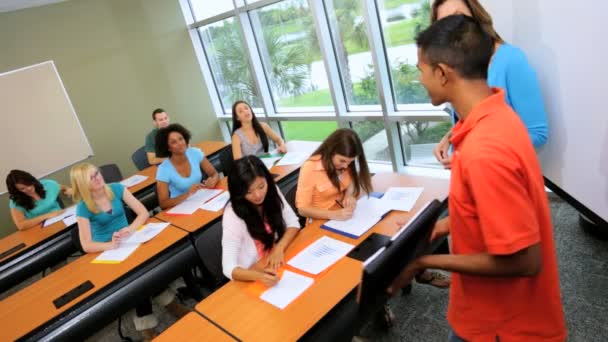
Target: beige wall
118 59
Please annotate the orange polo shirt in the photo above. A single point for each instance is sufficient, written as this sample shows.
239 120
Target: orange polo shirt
314 187
498 205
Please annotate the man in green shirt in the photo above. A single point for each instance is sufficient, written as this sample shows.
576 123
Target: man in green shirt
160 119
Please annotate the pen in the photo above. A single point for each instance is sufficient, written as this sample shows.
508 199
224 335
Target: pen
340 204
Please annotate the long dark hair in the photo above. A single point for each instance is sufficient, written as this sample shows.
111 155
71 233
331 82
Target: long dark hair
21 177
243 173
346 142
259 131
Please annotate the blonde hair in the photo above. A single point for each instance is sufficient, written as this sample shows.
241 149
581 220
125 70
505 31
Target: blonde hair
477 12
80 178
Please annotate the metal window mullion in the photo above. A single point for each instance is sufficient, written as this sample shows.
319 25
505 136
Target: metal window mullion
321 21
383 81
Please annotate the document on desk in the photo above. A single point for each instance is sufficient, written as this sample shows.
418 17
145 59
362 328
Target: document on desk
368 212
117 255
133 180
217 203
146 233
321 254
291 158
70 220
402 198
269 161
68 212
194 202
287 289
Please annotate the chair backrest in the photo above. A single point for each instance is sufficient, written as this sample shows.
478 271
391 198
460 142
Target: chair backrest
140 158
209 248
111 173
290 196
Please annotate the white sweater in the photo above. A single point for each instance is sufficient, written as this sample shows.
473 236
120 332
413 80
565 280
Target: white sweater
238 247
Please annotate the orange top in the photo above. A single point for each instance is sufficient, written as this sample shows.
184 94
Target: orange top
498 205
314 187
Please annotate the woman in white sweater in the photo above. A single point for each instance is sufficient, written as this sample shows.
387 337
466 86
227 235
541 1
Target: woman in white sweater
258 224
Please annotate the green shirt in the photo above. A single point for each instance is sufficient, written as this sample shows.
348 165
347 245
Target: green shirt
44 205
150 145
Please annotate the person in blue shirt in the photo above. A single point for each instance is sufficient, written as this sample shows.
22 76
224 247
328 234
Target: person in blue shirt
179 176
509 69
31 200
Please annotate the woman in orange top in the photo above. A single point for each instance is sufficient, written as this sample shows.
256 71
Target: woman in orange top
329 182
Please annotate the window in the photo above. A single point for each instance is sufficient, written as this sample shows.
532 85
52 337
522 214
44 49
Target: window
203 9
308 130
229 66
419 139
291 57
374 139
402 20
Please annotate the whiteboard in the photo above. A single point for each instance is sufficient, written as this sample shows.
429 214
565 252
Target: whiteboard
40 131
564 42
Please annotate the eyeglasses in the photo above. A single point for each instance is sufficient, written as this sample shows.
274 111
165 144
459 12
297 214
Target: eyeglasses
95 174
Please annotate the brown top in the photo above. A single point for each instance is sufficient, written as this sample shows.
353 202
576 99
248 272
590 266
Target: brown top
193 327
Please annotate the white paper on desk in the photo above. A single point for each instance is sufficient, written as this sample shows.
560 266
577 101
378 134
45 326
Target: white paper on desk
402 199
194 202
269 161
71 211
321 254
217 203
287 289
133 180
292 158
146 233
114 256
70 220
368 212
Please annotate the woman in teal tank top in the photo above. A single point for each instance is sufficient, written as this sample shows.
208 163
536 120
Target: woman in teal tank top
31 200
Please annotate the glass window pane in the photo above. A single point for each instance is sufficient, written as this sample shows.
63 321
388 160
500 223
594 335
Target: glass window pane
349 35
291 57
203 9
308 130
229 65
419 138
402 20
374 139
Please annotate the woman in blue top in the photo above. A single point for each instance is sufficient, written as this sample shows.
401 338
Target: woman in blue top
179 176
509 69
33 201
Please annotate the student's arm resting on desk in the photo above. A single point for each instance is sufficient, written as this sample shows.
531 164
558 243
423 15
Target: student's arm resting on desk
292 224
153 159
236 147
86 239
162 189
213 176
23 223
306 187
275 137
138 209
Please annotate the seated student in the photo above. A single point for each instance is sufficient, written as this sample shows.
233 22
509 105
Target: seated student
329 178
258 224
505 281
179 176
249 136
102 224
160 119
33 201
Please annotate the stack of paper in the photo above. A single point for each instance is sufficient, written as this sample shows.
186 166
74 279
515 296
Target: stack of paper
368 212
146 233
133 180
68 217
320 255
293 158
194 202
130 244
287 289
269 161
115 256
402 199
217 203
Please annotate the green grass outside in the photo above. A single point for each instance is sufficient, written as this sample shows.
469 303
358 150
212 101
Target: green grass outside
390 4
310 99
308 130
400 33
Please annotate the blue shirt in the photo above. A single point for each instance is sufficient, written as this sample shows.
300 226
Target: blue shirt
177 184
510 70
44 205
104 224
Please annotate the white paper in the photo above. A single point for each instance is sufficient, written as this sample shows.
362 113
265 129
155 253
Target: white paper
287 289
217 203
194 202
68 221
320 255
269 162
118 254
402 199
368 212
71 211
133 180
146 233
293 158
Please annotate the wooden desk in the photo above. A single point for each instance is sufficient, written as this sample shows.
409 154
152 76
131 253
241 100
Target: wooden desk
30 237
251 319
210 148
193 327
33 306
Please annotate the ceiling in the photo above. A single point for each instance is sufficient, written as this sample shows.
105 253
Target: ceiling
13 5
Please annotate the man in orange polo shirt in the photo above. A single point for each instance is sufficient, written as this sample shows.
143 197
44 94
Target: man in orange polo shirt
505 284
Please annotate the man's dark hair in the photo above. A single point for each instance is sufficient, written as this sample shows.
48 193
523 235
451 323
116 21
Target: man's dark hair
459 42
157 111
162 139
